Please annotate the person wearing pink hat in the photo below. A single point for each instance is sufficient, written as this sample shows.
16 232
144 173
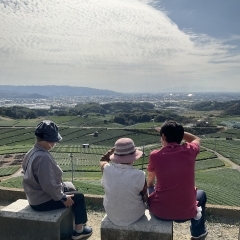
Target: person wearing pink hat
125 186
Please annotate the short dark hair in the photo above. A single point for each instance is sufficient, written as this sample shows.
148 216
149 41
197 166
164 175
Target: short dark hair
173 131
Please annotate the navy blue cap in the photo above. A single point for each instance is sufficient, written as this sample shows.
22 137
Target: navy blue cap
48 131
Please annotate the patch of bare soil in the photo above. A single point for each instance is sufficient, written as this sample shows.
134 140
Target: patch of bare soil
218 228
11 159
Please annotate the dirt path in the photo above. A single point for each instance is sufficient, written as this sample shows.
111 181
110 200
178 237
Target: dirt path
16 174
224 159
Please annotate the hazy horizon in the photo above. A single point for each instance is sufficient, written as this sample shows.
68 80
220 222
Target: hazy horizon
168 91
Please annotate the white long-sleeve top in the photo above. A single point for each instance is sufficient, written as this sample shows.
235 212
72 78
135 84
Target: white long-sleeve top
42 179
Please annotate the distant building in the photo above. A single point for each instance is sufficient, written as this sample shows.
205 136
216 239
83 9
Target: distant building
202 123
86 145
95 134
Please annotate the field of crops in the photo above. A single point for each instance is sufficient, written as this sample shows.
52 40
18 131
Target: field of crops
76 135
16 136
228 148
221 185
87 159
19 122
82 164
7 171
7 122
229 133
90 121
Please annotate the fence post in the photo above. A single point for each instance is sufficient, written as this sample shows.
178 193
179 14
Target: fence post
143 157
71 156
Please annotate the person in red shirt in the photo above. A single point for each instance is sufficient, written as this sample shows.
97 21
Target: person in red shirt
174 196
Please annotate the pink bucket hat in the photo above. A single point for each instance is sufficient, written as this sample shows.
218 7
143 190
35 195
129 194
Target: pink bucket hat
125 151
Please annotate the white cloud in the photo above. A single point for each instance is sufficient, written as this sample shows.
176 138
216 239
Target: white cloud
106 44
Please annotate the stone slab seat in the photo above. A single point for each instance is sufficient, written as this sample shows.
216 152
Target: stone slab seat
147 227
19 221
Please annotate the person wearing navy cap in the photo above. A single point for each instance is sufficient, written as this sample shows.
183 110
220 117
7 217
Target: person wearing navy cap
42 181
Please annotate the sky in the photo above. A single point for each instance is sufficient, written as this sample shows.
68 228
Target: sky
122 45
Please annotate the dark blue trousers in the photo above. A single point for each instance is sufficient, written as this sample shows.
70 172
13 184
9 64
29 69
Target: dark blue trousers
198 226
79 208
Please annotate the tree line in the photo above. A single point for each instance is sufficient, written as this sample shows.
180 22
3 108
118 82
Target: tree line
227 108
125 113
140 117
18 112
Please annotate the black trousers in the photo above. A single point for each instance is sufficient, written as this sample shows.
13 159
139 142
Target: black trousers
79 207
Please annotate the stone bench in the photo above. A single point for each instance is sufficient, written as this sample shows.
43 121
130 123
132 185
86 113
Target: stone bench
147 227
19 221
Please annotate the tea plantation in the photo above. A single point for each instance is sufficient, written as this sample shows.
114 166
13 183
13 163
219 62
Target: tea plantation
216 176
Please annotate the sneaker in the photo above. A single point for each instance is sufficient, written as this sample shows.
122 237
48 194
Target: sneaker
87 231
201 237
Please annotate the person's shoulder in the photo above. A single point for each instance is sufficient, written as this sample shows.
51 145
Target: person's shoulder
41 153
140 172
44 157
38 150
191 145
28 153
138 175
107 166
155 151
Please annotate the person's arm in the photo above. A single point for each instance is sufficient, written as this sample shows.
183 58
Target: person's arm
151 179
151 173
67 200
158 129
188 137
48 177
144 192
105 158
102 164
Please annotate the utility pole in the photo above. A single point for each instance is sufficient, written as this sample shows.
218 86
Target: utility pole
143 157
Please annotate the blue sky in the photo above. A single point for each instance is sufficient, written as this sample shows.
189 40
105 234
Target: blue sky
122 45
215 18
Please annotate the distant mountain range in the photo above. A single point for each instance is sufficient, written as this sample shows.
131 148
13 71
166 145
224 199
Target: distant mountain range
8 91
